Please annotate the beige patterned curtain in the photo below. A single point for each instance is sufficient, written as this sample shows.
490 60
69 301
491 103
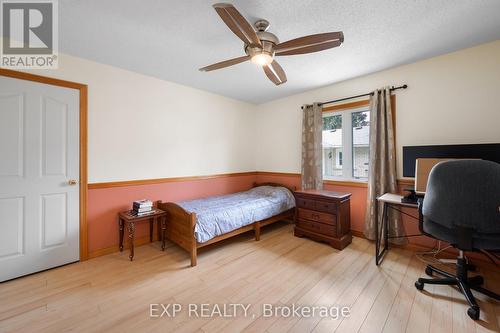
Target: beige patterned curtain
382 174
312 125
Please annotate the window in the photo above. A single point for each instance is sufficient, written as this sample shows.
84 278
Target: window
346 135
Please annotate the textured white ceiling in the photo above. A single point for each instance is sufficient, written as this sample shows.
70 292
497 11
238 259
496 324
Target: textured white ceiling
172 39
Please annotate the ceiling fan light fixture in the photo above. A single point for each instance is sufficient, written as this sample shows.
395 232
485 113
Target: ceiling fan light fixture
261 46
262 59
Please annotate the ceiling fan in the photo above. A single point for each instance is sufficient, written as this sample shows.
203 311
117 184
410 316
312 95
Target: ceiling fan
262 46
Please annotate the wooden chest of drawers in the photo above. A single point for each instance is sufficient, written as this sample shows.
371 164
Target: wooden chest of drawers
323 216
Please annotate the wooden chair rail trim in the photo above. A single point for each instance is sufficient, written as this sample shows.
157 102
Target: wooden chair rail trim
279 174
167 180
402 181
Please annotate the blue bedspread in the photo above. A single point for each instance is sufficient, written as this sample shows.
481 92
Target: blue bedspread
222 214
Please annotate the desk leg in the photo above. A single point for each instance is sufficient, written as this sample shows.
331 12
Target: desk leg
120 226
131 232
386 227
151 222
377 239
163 230
379 229
158 227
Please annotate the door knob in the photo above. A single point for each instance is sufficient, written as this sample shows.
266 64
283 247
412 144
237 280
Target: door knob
72 182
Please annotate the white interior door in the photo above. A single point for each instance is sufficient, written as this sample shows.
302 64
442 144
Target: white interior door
39 156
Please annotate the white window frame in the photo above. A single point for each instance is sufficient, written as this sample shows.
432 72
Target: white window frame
347 154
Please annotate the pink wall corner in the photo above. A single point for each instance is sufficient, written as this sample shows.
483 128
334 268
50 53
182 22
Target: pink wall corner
105 204
358 206
358 198
289 180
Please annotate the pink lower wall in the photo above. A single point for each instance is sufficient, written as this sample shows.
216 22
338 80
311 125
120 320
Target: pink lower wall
105 203
358 198
358 206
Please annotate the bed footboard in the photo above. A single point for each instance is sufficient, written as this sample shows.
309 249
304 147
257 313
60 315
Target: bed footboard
181 224
180 228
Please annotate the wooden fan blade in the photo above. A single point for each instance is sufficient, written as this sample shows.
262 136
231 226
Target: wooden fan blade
244 25
237 23
225 63
332 39
224 15
275 73
310 49
278 70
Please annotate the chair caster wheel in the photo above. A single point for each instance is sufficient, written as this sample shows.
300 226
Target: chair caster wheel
428 271
473 313
419 285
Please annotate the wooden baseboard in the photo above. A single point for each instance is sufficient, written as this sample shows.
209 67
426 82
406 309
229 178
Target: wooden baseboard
449 253
357 233
115 248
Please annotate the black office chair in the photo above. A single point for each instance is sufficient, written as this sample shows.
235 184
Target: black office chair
462 207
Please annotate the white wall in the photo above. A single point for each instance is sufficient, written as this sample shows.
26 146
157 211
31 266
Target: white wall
142 127
454 98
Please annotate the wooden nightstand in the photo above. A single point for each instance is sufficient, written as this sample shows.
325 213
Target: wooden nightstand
129 220
324 216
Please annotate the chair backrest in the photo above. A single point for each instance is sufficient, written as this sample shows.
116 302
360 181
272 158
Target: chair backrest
464 193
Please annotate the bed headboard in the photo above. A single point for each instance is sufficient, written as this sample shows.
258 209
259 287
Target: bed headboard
291 188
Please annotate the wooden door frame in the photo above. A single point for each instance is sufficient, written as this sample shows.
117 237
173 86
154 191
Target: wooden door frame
82 88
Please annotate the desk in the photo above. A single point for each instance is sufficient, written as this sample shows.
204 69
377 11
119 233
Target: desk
130 220
389 201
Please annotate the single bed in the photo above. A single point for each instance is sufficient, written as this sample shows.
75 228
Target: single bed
197 223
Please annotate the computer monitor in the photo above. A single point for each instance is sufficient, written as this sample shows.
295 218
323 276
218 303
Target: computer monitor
423 167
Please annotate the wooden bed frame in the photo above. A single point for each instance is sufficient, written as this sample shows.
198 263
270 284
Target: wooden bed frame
180 226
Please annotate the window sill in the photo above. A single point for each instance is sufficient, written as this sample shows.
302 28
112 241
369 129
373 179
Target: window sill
346 182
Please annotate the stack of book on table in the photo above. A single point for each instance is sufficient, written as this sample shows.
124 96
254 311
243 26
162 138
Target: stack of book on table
142 207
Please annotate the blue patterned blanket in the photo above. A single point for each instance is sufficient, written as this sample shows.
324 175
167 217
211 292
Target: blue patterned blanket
222 214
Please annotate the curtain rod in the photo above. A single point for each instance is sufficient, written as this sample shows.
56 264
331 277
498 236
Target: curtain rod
404 86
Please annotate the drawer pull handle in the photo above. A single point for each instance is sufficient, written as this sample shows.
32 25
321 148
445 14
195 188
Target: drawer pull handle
315 216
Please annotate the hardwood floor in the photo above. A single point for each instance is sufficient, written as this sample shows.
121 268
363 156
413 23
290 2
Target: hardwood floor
112 294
